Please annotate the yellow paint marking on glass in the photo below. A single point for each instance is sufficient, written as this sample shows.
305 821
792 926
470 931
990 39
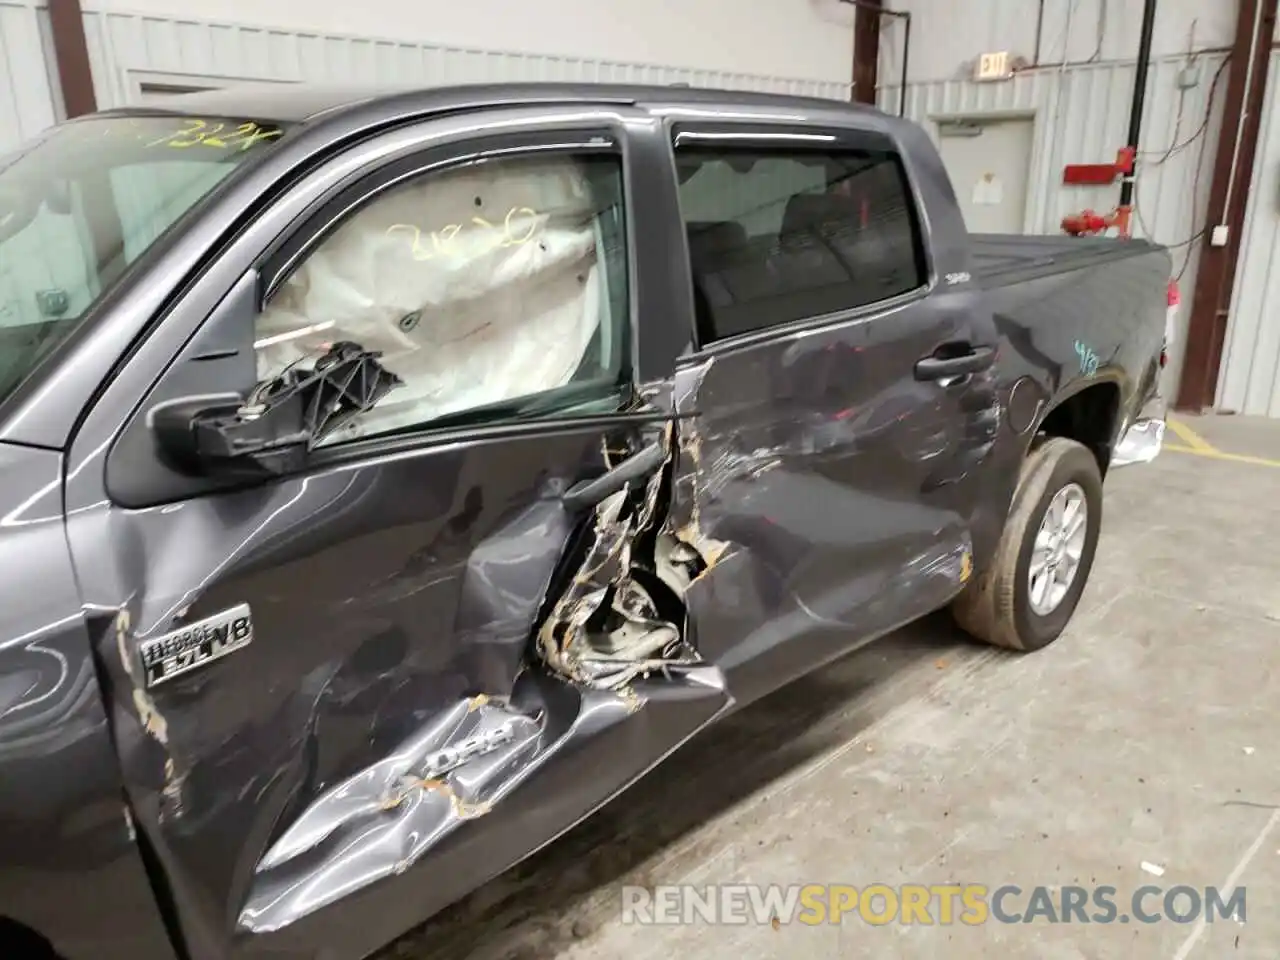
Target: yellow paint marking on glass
208 133
442 239
1189 436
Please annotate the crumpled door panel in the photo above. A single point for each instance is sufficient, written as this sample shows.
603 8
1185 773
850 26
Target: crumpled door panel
451 665
610 660
586 643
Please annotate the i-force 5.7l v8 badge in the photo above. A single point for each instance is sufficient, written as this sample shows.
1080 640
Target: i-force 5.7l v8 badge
195 645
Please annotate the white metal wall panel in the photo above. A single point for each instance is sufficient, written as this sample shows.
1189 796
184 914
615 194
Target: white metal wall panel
948 36
1249 380
789 38
127 50
1081 115
29 100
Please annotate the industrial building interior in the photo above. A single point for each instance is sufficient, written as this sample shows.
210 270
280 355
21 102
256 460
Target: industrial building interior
1133 752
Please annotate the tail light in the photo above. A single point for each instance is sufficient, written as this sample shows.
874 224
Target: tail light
1174 298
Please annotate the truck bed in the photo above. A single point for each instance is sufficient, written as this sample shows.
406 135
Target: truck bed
1004 258
1079 307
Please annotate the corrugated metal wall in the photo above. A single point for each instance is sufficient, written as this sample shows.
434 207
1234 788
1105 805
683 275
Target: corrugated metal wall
1081 115
1249 381
127 50
29 99
948 36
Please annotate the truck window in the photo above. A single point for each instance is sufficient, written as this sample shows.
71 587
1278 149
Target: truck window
86 199
779 236
493 290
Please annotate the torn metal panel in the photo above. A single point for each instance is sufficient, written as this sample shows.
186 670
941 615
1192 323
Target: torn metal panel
462 756
619 627
380 821
623 614
382 595
383 820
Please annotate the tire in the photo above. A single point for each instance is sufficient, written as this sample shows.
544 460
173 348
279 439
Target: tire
997 606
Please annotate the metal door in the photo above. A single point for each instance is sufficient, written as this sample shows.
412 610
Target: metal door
989 162
841 469
389 737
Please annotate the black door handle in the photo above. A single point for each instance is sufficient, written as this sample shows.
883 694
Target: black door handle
935 368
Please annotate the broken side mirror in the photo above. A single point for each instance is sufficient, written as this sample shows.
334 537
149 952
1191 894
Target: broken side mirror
213 436
272 430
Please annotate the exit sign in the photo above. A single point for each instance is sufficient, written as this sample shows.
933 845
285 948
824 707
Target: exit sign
993 66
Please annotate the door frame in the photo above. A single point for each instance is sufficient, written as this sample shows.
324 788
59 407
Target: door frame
751 669
169 332
1033 200
165 339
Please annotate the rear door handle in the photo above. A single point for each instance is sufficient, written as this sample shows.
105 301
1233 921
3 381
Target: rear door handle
937 368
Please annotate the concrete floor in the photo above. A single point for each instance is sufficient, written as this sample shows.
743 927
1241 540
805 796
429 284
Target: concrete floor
1141 736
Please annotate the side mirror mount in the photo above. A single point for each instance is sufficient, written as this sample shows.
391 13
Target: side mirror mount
274 428
209 423
204 436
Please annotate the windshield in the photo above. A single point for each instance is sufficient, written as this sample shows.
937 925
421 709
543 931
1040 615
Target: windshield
82 201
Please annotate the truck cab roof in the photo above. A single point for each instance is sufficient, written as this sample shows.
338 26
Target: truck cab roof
299 103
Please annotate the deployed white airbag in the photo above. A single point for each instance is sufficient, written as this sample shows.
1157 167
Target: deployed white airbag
480 285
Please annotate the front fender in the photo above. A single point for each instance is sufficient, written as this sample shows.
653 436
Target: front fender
70 869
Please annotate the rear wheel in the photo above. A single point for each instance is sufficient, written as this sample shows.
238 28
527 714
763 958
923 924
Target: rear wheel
1026 597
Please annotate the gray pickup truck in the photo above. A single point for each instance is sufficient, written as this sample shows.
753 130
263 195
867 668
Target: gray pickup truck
388 481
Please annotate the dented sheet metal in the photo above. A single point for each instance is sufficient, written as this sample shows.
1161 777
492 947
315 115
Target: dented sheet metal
808 545
585 644
455 773
619 627
381 820
717 550
623 614
613 652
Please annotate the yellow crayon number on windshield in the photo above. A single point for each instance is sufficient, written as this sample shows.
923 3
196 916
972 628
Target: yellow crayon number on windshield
216 134
442 241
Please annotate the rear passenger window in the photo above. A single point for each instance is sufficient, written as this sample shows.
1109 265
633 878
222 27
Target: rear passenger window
778 236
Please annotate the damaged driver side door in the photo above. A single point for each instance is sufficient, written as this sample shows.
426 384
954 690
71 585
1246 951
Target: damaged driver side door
377 571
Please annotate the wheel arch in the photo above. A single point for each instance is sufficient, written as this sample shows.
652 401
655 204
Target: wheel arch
1088 413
